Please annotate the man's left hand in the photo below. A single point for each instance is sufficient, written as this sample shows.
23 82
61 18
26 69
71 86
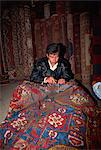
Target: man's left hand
61 81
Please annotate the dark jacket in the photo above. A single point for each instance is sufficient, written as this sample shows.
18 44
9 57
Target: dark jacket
41 70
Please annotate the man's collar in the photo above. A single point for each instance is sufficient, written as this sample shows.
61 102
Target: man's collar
52 67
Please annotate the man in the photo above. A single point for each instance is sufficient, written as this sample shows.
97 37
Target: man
52 68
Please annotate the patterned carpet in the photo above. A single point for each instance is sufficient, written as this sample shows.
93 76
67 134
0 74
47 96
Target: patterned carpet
51 117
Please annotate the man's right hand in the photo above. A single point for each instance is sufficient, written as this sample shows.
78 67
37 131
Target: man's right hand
50 80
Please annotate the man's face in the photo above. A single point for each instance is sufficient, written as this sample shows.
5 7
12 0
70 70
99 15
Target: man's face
53 58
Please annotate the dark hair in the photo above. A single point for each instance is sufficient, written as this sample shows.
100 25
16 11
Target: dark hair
52 48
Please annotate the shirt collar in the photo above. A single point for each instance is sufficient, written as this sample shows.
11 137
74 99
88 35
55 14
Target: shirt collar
52 67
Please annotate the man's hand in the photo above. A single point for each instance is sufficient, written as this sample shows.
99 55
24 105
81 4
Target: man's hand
50 80
61 81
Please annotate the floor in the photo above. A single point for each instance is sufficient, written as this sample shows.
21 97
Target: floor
6 91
